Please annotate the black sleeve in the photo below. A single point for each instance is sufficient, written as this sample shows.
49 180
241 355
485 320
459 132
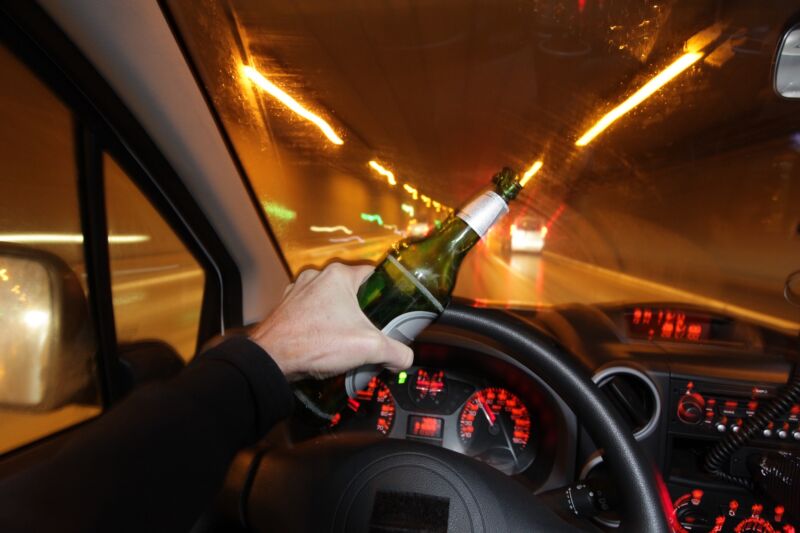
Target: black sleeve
155 461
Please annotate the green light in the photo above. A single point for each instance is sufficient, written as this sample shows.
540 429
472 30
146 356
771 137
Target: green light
278 211
401 377
437 223
372 218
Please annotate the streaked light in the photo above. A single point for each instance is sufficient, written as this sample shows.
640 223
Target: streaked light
409 210
66 238
279 211
401 377
543 231
647 90
383 172
531 172
393 228
437 206
426 200
372 218
291 103
36 319
352 238
331 229
4 274
411 190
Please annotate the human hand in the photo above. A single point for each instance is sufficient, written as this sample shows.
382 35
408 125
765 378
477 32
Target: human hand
318 330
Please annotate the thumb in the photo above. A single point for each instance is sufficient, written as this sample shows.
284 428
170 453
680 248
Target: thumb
393 354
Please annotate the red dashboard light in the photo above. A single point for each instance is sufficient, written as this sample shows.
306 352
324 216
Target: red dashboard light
425 426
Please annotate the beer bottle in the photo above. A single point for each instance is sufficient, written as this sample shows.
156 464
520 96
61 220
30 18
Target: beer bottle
415 282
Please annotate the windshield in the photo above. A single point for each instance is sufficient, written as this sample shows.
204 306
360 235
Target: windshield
669 168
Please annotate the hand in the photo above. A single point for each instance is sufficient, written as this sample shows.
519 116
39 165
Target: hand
318 330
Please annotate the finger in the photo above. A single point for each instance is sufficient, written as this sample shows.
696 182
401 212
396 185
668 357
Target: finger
288 289
358 274
393 354
306 276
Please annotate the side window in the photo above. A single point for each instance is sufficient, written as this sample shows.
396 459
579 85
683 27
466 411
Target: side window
47 347
157 284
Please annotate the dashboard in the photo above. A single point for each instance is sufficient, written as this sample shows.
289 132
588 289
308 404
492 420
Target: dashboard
459 399
682 377
460 412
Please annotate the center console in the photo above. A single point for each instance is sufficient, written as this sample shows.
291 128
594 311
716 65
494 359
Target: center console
702 413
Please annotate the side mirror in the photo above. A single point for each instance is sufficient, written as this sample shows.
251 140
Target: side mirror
46 342
787 65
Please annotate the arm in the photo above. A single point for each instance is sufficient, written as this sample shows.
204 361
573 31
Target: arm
155 461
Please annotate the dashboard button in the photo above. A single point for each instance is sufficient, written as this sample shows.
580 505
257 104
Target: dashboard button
691 407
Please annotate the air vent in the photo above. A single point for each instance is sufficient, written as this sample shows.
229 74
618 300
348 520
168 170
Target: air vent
634 395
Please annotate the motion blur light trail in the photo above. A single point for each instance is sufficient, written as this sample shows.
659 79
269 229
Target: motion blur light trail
331 229
388 174
372 218
531 172
277 93
66 238
647 90
409 210
279 211
352 238
411 190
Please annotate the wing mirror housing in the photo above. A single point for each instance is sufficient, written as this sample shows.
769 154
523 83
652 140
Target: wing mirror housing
47 345
787 64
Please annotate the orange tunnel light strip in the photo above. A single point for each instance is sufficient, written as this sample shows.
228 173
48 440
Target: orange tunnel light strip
411 190
383 172
291 103
531 172
647 90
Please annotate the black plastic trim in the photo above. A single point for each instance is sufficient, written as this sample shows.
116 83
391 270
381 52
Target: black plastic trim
91 194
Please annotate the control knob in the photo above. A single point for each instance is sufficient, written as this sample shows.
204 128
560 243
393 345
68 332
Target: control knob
691 408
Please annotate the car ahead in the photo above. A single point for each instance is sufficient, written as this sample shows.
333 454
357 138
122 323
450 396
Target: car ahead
168 168
527 235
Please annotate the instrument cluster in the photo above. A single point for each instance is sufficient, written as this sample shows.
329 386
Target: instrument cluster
465 413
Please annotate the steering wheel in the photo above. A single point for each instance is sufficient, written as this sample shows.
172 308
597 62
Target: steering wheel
356 483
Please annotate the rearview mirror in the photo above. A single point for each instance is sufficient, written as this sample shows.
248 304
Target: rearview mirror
787 65
46 340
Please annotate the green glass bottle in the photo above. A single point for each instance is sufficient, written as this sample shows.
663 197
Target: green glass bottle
415 282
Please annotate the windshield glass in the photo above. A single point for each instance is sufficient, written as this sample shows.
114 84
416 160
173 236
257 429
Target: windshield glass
669 171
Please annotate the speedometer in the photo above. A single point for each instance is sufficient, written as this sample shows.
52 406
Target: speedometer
495 427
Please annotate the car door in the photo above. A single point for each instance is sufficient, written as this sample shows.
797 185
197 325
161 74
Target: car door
110 275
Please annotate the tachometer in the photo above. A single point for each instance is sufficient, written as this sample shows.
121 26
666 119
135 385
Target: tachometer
372 408
495 426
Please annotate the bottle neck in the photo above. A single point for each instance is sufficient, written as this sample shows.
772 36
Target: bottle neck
483 212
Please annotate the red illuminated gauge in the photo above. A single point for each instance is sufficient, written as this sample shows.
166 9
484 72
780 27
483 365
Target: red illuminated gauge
495 426
754 524
428 385
373 407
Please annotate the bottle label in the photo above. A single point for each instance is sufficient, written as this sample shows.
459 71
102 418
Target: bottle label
419 286
483 212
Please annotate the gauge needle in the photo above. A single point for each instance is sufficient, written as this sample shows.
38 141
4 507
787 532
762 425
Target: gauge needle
489 414
508 440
